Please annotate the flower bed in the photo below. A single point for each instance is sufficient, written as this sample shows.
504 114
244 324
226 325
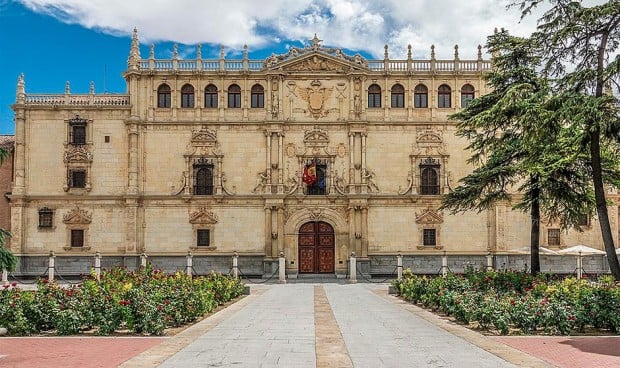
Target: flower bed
146 302
515 302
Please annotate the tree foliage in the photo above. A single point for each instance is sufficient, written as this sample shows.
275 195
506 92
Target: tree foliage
579 48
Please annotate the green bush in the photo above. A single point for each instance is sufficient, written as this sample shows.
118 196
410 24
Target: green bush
146 301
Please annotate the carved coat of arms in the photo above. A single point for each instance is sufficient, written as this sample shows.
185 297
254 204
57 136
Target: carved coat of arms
316 96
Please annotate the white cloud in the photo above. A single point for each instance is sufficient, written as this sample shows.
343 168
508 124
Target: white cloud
363 25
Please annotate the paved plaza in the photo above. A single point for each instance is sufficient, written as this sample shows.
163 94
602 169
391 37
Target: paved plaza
316 325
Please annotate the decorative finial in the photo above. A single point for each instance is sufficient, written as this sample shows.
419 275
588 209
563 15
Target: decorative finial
409 52
20 94
433 52
495 30
221 51
479 52
134 52
456 52
152 51
67 87
385 51
175 51
245 52
315 43
91 88
199 51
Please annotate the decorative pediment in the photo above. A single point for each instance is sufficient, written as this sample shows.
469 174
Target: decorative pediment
429 216
316 137
315 57
202 216
79 153
429 136
77 216
204 137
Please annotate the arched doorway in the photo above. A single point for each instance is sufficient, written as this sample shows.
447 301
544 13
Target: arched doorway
316 247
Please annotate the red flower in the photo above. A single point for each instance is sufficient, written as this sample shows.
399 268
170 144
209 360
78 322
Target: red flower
571 318
6 286
14 284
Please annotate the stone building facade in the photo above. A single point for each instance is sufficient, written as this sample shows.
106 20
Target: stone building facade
314 154
6 180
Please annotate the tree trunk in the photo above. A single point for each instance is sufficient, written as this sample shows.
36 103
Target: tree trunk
601 204
535 230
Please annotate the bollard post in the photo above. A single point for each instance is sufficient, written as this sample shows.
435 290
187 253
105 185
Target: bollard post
352 269
444 265
98 265
235 267
489 261
50 266
282 269
399 266
5 277
190 263
143 258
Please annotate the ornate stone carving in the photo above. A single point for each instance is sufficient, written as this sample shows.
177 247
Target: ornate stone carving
316 137
261 181
79 153
77 216
202 216
315 96
204 137
429 216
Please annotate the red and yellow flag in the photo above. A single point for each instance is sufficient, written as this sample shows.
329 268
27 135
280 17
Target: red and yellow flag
309 175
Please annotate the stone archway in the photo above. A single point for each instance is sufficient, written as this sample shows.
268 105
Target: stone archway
316 247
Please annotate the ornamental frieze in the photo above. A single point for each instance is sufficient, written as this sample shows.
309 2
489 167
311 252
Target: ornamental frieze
429 216
77 216
79 153
202 216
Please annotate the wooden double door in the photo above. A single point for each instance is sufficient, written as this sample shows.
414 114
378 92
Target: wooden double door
316 248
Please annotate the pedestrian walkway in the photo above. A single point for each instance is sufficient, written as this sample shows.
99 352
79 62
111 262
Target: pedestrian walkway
324 325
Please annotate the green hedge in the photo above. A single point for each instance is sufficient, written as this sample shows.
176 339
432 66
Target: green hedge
515 302
146 301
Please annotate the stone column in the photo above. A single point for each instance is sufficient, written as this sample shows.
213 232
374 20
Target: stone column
280 162
268 241
281 229
132 131
268 135
364 249
351 158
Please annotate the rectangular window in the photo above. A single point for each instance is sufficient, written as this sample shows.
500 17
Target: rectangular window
258 100
77 178
584 220
318 185
46 217
429 237
398 100
443 101
77 238
234 100
420 100
78 134
187 100
211 100
203 237
553 236
164 100
374 100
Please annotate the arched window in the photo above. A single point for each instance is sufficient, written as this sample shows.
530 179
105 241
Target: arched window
203 179
443 96
398 96
234 96
467 94
420 96
211 96
374 96
163 96
258 96
429 176
187 96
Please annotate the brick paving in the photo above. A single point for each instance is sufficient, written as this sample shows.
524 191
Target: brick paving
570 352
69 352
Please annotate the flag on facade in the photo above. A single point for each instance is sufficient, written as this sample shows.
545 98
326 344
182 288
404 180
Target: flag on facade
309 175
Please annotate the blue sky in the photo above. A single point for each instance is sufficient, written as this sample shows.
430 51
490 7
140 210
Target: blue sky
54 41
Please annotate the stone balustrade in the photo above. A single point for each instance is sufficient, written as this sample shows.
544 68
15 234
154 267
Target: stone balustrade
68 99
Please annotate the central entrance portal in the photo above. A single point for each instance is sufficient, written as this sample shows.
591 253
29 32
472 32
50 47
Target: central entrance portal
316 247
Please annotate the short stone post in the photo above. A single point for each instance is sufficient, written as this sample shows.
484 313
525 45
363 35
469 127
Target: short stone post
190 263
352 269
143 258
235 267
399 266
50 266
5 277
579 267
98 265
444 264
282 269
489 261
